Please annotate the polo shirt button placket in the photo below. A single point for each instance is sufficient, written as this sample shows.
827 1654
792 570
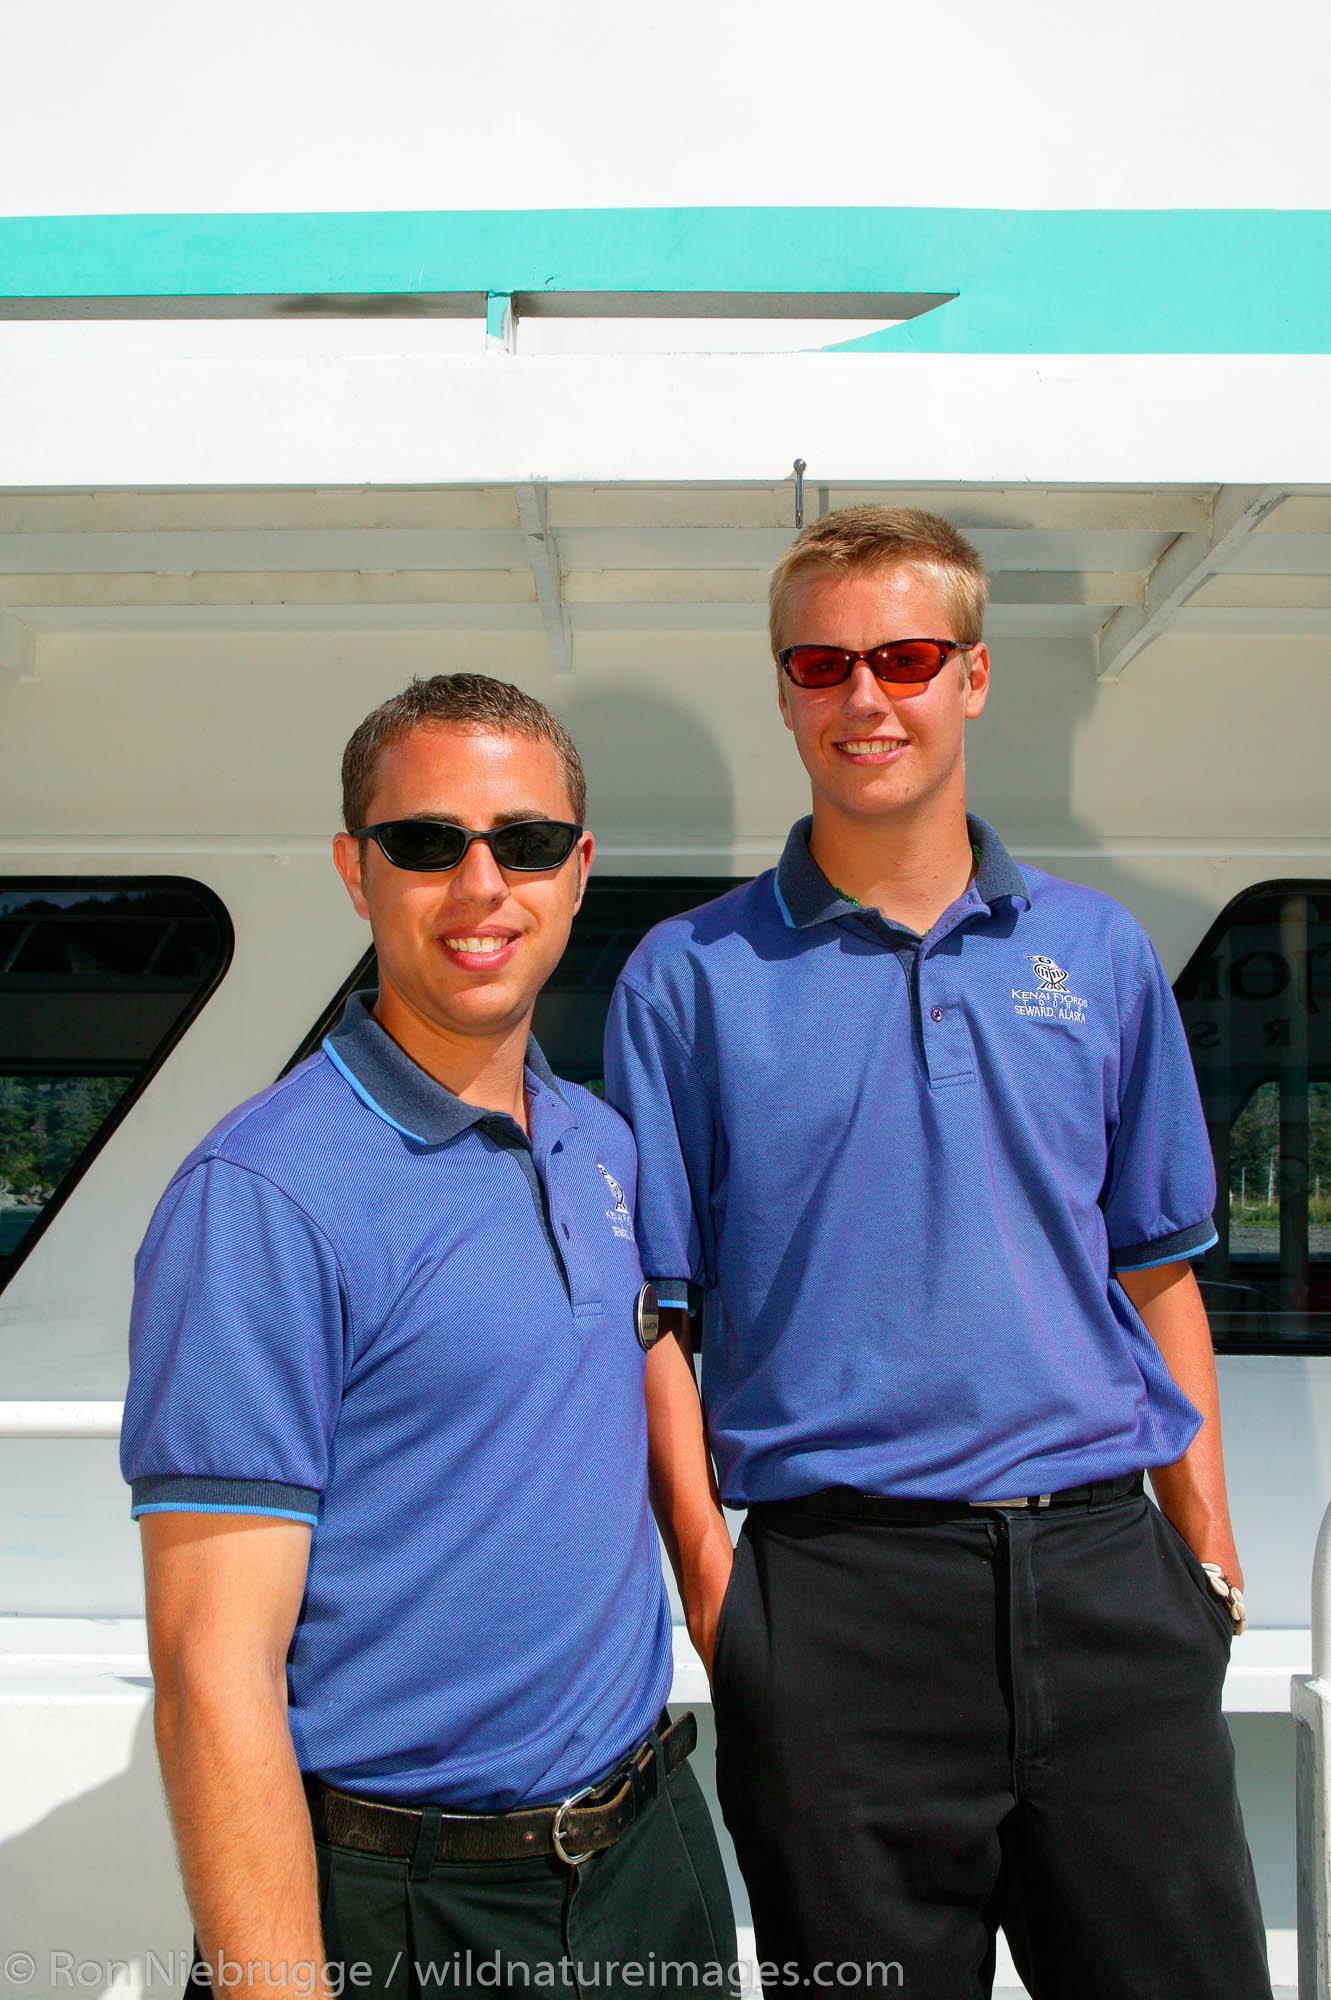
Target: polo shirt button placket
946 1046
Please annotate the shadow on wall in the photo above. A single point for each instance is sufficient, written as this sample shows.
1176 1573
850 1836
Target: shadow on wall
1021 759
656 777
95 1882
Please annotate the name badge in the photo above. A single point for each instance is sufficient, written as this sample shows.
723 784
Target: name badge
647 1317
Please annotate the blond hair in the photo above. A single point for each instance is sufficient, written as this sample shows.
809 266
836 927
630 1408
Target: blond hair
857 540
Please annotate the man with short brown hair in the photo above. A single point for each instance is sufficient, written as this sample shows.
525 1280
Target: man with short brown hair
921 1146
387 1446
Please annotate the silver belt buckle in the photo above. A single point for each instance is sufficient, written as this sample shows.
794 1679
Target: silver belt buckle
557 1828
1024 1504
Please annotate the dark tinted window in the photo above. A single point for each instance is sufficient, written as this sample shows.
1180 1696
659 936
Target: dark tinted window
99 978
615 916
1256 1002
570 1014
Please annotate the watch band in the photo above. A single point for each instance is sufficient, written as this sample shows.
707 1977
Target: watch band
1231 1594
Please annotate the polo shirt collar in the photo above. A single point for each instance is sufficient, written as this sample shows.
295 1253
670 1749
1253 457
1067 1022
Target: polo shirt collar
996 875
404 1095
803 893
805 896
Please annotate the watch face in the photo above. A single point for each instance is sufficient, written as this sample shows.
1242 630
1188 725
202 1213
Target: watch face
647 1317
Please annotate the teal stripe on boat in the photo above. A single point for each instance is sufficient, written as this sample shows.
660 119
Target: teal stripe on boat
1120 281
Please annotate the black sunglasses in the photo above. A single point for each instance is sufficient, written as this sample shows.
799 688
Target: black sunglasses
905 664
426 845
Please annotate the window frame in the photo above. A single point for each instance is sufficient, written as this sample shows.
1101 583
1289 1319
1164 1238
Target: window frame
66 885
312 1040
1319 887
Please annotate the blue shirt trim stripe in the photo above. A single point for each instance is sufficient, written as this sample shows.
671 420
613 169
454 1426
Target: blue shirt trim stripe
364 1095
782 904
217 1507
675 1295
400 1092
1177 1255
207 1493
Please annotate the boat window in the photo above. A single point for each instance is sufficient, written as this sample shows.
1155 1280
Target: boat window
1256 1002
570 1014
99 979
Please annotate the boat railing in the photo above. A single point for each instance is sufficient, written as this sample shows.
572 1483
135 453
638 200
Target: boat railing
60 1419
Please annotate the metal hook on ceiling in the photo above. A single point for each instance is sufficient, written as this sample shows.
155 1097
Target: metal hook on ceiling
800 469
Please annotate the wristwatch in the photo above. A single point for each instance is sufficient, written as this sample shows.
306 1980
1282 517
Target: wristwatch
1231 1594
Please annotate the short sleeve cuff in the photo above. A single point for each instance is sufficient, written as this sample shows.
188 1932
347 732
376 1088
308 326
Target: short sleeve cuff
186 1493
678 1295
1173 1249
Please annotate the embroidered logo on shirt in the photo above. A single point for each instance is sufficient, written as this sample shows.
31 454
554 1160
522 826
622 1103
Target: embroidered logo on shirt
621 1222
1050 1000
1052 977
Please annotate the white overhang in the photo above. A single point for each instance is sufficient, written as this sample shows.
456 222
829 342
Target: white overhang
259 404
1118 564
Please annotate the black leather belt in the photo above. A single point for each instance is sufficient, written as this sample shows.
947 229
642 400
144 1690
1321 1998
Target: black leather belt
582 1825
847 1503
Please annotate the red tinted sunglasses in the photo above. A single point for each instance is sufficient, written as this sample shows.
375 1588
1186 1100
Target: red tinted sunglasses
905 664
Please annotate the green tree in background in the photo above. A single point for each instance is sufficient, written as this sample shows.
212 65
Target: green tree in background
1254 1150
45 1123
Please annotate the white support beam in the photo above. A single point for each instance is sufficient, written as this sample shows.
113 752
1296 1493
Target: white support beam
1247 591
760 504
664 586
186 549
1066 586
1164 510
18 649
1185 565
68 591
257 509
60 1420
547 573
749 586
47 594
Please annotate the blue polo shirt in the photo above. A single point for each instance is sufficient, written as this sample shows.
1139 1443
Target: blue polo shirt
366 1305
902 1172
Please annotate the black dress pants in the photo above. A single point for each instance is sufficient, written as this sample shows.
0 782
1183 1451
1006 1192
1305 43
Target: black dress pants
926 1731
657 1899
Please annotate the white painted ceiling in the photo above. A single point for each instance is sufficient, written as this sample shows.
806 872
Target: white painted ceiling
1064 561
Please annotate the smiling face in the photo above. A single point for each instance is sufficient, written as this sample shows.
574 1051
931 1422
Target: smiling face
874 755
464 952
